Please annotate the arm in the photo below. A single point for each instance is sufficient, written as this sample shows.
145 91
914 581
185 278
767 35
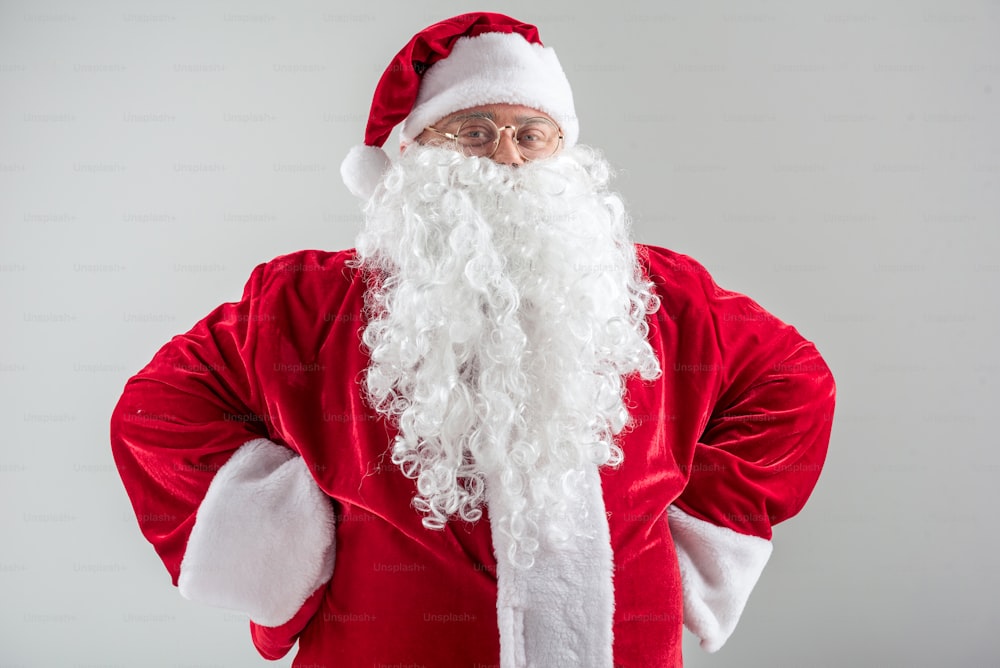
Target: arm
234 515
757 460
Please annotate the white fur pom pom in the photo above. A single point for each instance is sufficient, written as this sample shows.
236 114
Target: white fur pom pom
362 169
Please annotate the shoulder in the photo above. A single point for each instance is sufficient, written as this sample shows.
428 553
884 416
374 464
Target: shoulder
303 269
686 287
308 262
307 280
676 274
665 265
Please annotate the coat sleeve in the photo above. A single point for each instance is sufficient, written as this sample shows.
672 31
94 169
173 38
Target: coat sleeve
758 458
234 515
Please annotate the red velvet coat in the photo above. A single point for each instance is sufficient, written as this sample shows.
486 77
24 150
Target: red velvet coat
734 433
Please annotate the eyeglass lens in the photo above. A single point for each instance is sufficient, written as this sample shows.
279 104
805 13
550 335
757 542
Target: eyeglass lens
535 138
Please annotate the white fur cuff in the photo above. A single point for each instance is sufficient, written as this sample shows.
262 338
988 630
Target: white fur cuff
263 539
719 568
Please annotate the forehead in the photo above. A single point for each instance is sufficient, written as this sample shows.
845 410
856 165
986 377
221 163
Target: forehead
501 114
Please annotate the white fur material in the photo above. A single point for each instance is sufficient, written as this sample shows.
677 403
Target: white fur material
491 345
362 169
263 538
494 68
559 612
719 568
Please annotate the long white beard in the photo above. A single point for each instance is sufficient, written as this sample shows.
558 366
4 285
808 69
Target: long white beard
505 308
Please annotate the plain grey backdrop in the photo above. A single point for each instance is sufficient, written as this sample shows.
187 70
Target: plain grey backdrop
839 162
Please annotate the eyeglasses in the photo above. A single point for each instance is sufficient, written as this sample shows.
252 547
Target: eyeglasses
535 138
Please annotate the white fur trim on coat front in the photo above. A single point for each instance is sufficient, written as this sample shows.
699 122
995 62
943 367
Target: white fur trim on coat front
719 568
558 613
263 538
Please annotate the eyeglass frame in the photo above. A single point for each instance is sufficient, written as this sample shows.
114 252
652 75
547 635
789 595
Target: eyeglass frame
500 131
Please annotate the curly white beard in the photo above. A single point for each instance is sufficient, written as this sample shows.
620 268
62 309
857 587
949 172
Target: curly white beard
505 308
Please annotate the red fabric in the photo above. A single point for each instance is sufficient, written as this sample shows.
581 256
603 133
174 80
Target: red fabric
274 642
735 432
397 89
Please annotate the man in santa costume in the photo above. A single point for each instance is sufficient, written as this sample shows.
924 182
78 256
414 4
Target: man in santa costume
497 432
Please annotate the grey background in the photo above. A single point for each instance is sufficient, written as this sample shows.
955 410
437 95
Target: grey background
839 162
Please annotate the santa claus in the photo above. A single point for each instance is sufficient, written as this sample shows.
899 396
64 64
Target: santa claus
496 432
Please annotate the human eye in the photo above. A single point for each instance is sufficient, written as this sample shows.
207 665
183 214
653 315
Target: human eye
475 133
535 133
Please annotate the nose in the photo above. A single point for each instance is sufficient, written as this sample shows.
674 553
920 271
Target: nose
506 153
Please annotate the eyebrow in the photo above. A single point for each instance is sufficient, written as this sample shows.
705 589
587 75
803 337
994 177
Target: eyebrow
472 114
486 114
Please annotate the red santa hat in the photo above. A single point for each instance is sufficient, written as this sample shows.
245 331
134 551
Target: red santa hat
461 62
